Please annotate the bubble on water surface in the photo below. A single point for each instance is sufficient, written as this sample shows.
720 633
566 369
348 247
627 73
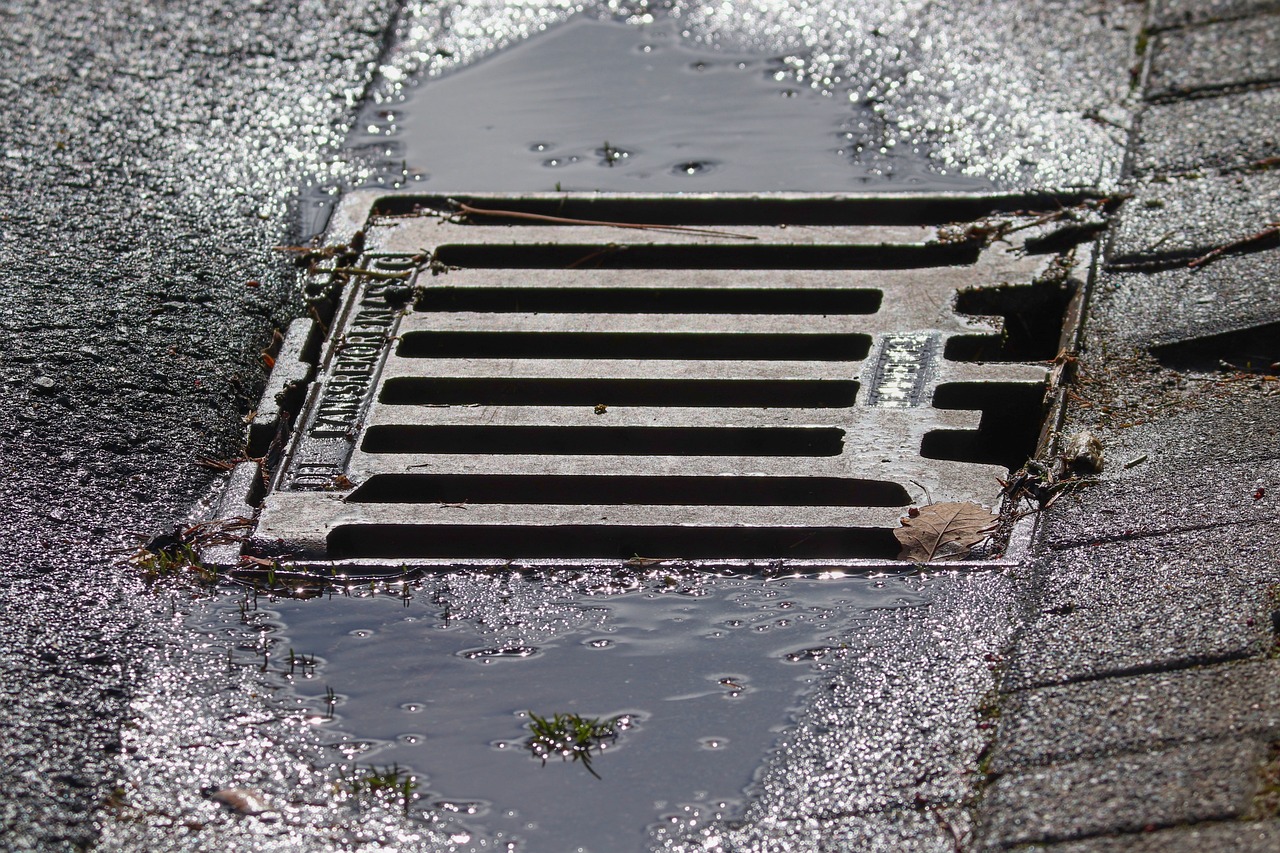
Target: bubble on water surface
692 168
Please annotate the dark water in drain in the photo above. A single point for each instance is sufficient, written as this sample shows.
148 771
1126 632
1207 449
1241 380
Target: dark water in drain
596 105
710 668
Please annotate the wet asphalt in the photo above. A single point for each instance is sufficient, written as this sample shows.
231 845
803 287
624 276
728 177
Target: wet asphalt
152 157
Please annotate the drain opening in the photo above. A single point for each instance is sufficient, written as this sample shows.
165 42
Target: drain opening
606 441
509 542
798 394
622 490
635 345
695 257
725 209
1033 318
650 300
1006 436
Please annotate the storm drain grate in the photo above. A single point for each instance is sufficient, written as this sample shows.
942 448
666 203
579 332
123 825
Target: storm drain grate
778 379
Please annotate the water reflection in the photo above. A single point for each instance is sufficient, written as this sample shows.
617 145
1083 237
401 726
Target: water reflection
440 677
600 105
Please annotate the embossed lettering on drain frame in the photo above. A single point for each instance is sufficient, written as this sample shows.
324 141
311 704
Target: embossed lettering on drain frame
570 393
342 395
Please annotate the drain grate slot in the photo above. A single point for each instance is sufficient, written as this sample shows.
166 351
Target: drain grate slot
798 394
648 300
512 388
1032 320
605 441
1006 435
624 490
635 345
401 542
664 256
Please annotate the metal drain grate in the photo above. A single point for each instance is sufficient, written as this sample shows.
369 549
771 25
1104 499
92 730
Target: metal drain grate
780 384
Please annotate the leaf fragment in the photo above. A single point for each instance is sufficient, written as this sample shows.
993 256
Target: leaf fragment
943 531
1082 454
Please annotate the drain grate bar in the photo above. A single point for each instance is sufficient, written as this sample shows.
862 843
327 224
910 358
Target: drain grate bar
580 392
710 327
449 229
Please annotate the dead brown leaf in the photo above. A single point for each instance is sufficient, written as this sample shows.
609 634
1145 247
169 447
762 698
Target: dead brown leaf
242 800
944 531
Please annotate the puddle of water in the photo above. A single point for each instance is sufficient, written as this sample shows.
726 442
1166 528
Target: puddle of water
599 105
439 679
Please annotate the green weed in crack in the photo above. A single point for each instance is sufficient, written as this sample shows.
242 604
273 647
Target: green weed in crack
178 562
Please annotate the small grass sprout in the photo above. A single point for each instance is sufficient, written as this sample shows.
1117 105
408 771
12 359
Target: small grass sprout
389 784
572 736
306 662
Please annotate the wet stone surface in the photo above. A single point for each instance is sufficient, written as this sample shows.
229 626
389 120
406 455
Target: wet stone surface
1148 604
1050 725
1176 13
1191 216
1207 133
1239 836
1143 309
1243 492
1182 429
1201 782
1215 56
913 829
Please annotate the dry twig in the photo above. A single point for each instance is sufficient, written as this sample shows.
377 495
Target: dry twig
561 220
1272 230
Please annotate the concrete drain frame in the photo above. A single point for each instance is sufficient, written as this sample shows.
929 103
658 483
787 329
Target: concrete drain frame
721 382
